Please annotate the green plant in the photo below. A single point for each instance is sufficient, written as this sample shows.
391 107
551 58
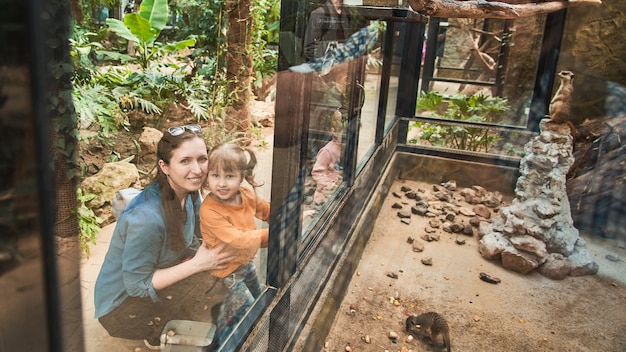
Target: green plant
88 222
478 109
144 29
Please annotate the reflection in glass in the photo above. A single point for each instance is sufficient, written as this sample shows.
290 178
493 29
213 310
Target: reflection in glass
477 72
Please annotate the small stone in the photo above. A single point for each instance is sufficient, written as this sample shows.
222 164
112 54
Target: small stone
476 318
396 206
488 278
427 261
366 339
392 275
409 339
410 240
405 189
169 297
404 215
612 258
418 246
411 195
396 194
393 335
348 348
450 185
460 241
405 221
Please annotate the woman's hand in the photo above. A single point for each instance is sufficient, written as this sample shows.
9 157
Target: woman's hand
212 258
205 259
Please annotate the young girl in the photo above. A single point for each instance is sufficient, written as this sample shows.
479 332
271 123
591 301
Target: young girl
227 217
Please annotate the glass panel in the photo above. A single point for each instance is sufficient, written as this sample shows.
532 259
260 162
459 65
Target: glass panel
482 74
329 30
392 93
369 109
23 312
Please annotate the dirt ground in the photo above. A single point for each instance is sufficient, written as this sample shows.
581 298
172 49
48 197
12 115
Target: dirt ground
521 313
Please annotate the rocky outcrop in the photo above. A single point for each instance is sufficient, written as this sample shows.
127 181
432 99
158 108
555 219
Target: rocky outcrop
112 178
536 231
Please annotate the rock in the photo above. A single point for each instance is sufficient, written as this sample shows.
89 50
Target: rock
434 223
405 189
148 142
468 230
392 335
460 241
467 211
582 263
410 240
474 222
396 206
121 199
406 221
457 227
488 278
427 261
392 275
442 196
418 246
411 195
419 209
556 267
529 244
613 258
450 185
492 199
482 211
518 261
396 194
468 193
492 245
450 217
108 181
404 214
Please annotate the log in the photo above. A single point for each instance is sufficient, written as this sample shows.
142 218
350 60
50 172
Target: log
491 9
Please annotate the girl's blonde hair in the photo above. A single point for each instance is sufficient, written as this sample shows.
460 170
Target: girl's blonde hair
230 157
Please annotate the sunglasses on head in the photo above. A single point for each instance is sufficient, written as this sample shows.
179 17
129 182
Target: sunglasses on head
178 130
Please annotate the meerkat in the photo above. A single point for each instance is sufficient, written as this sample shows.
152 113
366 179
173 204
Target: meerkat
560 103
559 110
430 321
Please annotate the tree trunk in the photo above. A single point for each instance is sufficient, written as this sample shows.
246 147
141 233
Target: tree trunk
238 66
492 9
61 113
77 12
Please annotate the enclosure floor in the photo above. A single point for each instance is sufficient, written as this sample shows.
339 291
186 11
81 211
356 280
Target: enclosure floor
522 313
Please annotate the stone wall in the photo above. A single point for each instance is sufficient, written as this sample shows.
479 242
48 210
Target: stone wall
594 48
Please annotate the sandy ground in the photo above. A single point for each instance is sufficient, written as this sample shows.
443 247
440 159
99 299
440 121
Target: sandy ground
521 313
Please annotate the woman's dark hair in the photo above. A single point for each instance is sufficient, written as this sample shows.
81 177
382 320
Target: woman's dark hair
230 157
174 216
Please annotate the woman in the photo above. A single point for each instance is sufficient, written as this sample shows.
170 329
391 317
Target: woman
155 267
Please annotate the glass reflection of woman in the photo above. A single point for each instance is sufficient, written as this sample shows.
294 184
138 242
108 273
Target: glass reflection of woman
328 23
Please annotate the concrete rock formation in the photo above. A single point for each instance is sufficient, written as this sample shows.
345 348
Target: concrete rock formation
537 231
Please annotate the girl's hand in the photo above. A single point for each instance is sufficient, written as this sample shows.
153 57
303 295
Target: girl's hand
212 259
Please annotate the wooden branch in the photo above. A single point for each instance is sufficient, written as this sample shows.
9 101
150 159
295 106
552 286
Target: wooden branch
491 9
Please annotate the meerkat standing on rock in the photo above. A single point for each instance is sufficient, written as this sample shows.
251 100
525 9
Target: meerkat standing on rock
559 111
560 104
